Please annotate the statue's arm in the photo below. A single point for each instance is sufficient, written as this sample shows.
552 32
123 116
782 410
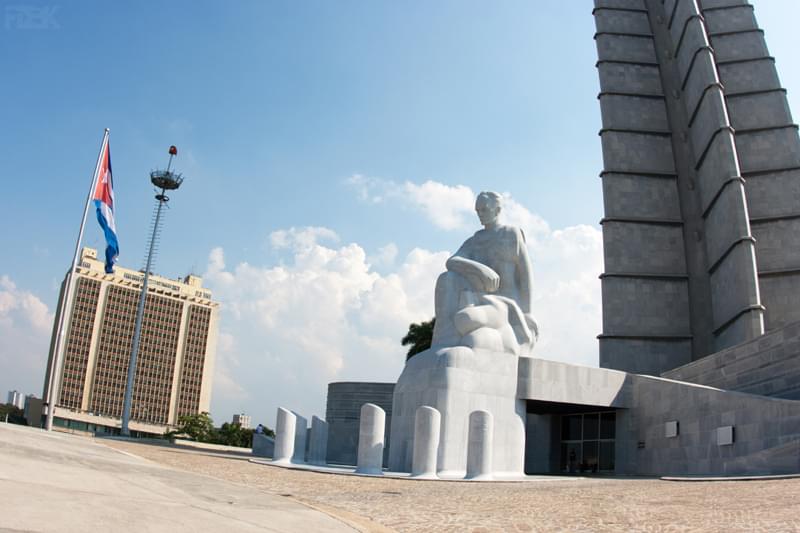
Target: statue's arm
524 279
524 274
481 277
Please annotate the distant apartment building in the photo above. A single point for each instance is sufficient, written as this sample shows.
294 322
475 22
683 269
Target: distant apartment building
176 353
16 399
243 420
32 410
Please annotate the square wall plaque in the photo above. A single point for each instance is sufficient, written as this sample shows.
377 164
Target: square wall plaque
724 435
671 429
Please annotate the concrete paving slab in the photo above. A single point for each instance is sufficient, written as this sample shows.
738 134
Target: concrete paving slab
61 482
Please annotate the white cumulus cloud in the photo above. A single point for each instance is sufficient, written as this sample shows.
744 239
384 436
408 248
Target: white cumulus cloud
325 314
25 327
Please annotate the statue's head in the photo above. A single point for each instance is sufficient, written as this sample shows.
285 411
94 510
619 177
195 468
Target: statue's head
488 206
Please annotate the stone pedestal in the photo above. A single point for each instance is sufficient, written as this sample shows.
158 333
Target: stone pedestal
318 447
457 381
300 438
426 442
284 436
479 445
370 440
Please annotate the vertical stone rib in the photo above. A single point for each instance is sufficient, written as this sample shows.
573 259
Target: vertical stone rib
714 200
768 148
676 47
645 291
693 257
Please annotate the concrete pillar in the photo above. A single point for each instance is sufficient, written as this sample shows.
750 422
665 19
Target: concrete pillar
300 439
284 436
479 445
318 447
427 424
370 440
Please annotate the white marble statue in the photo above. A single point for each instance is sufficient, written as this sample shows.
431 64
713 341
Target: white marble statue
484 298
483 325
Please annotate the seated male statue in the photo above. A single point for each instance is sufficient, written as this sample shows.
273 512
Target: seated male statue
483 301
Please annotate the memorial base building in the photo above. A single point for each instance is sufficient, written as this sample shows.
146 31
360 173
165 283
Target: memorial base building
175 364
700 348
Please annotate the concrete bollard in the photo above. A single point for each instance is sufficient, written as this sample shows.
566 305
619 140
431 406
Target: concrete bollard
318 447
300 439
427 424
370 440
479 445
284 436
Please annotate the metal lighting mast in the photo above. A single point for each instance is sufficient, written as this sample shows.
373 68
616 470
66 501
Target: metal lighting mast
165 180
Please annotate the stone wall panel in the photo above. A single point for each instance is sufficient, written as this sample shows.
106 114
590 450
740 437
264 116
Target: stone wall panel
627 112
737 46
643 248
635 152
626 195
632 306
635 22
775 194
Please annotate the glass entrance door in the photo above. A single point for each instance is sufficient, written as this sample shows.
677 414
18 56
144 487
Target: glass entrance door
587 442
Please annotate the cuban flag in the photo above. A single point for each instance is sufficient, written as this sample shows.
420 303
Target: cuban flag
104 202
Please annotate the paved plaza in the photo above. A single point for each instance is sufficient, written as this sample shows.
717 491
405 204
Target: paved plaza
58 482
555 504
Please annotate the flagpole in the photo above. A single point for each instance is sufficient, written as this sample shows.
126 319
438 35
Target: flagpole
54 384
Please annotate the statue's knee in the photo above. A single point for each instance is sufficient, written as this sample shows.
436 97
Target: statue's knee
485 338
449 286
449 280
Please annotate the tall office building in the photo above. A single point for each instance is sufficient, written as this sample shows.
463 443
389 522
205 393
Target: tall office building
176 354
15 398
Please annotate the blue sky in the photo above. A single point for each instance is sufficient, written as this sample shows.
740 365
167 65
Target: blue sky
330 146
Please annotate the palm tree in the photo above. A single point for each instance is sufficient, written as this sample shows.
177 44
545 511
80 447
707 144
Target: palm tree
419 336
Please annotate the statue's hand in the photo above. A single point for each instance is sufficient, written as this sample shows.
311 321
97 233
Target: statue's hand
484 279
491 280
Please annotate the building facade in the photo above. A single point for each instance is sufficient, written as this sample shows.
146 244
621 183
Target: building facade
176 354
700 350
343 414
15 398
242 419
33 410
700 183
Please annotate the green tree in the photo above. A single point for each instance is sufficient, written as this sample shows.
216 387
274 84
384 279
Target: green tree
15 414
201 428
419 336
268 432
234 435
197 427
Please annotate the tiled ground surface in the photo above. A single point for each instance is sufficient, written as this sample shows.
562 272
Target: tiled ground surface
551 505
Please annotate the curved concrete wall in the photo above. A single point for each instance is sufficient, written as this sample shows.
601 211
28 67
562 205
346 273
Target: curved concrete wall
345 400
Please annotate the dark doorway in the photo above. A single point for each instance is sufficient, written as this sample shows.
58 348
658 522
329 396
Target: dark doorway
587 442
